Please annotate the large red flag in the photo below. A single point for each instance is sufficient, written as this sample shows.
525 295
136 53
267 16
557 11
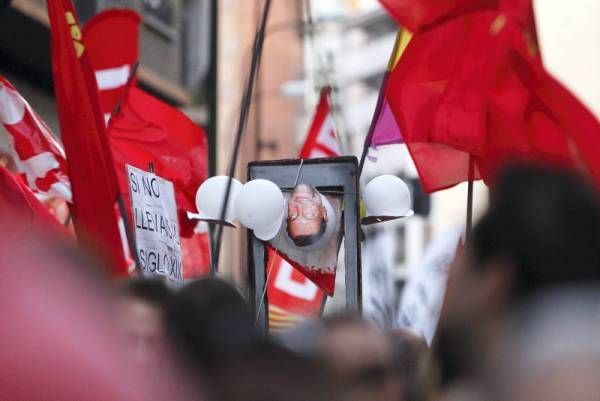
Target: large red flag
91 171
475 87
146 130
37 154
111 39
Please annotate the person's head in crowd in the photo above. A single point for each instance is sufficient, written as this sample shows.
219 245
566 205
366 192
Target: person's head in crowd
303 338
542 230
409 359
141 306
551 351
360 358
266 371
206 319
307 216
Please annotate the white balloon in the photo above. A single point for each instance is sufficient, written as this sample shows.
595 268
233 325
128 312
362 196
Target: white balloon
210 197
387 195
260 207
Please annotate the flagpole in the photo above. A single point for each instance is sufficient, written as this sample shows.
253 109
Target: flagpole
245 107
128 232
120 201
367 144
379 105
470 197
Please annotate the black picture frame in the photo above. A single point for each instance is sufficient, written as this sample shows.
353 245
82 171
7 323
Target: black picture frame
326 174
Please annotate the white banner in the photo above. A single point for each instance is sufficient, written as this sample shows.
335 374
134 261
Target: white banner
155 224
423 294
378 277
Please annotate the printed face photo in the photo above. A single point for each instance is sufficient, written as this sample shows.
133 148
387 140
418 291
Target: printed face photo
311 235
307 216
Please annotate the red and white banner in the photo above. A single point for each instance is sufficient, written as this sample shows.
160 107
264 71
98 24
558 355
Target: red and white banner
111 38
37 154
292 296
322 139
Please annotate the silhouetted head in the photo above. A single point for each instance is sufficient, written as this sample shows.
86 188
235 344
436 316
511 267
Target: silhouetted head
542 230
206 319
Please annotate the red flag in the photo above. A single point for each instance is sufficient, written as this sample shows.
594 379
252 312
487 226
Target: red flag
475 87
553 125
292 296
113 65
37 154
147 130
111 39
322 139
92 175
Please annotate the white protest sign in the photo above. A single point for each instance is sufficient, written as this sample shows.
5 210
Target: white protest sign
423 294
155 223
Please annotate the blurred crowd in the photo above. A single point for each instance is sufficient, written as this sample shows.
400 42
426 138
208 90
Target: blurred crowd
520 321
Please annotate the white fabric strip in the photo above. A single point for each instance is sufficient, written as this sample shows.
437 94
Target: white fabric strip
112 78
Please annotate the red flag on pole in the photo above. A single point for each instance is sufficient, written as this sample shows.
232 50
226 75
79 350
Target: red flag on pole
37 154
113 66
111 39
475 87
147 130
91 171
292 294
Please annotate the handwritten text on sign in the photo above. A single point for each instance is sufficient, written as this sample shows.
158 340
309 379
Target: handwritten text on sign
155 222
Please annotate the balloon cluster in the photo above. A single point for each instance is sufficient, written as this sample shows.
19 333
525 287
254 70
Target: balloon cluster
260 206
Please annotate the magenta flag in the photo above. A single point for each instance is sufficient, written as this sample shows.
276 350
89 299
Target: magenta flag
386 130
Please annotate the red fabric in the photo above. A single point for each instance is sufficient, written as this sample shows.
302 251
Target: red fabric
475 86
321 140
416 15
92 175
38 155
148 130
303 299
111 38
21 213
195 252
419 15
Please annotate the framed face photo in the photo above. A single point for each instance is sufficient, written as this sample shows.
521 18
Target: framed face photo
311 233
321 209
